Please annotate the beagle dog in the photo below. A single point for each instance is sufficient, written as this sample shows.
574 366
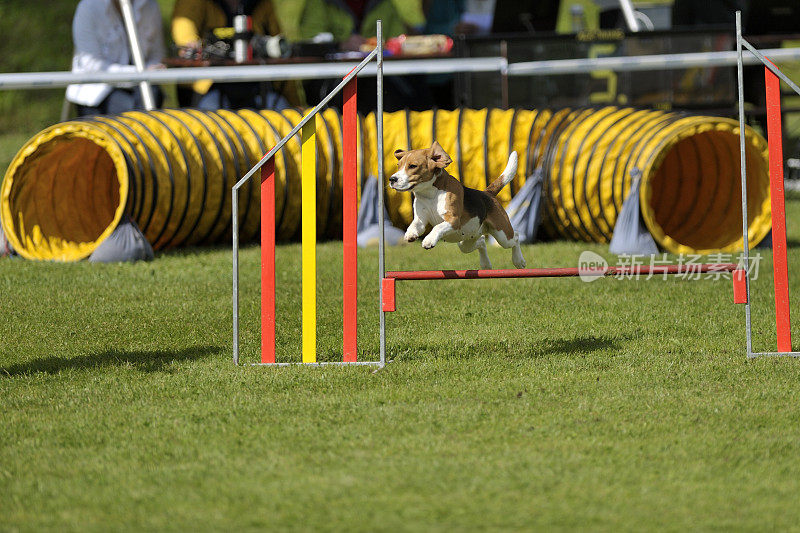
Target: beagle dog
457 213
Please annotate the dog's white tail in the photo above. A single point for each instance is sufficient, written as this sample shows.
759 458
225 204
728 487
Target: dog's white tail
508 174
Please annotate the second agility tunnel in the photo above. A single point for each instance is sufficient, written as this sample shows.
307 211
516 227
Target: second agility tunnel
171 172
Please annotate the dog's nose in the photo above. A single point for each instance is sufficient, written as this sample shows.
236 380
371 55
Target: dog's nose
392 180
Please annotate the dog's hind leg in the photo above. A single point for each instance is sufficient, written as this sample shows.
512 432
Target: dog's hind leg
513 243
480 244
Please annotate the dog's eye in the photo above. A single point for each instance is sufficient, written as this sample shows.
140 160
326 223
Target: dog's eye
412 167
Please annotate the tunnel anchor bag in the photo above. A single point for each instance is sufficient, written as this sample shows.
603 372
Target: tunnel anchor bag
631 236
125 244
525 209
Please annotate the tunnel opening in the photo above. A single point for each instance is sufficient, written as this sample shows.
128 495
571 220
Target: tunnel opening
694 200
63 199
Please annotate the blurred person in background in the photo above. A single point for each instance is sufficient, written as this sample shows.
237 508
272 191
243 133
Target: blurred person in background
101 45
444 17
351 22
193 20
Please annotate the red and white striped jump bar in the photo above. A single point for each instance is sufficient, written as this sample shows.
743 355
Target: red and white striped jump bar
389 299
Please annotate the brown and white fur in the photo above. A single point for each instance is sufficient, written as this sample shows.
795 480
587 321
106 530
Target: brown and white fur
456 213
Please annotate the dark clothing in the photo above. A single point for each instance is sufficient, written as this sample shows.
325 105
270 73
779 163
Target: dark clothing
239 96
357 7
707 12
120 100
245 7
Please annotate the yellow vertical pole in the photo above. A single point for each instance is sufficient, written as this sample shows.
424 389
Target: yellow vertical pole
309 240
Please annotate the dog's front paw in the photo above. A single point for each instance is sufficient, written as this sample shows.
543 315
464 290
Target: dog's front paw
428 242
410 237
518 260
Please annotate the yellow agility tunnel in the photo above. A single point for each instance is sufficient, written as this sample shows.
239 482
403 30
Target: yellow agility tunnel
171 171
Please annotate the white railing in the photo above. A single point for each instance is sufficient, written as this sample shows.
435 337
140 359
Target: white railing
305 71
49 80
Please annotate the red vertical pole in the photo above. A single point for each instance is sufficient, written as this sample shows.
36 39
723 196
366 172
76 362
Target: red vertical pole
781 275
350 216
268 261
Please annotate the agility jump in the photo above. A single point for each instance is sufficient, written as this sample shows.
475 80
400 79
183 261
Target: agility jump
772 77
387 280
350 185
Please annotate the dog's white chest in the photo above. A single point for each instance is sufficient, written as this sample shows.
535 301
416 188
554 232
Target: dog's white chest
430 208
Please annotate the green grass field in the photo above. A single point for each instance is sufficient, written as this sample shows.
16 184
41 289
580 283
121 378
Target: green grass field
510 404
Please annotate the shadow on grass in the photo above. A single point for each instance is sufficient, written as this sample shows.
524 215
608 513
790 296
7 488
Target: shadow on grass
583 344
409 351
142 360
579 345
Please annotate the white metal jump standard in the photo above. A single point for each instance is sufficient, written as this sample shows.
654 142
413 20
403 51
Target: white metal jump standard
781 286
307 126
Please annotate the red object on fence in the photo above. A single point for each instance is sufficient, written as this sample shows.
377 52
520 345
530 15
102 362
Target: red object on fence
779 260
740 286
268 262
350 219
388 303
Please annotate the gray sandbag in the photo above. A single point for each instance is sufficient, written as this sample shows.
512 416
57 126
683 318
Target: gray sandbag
126 243
5 246
367 226
631 236
525 209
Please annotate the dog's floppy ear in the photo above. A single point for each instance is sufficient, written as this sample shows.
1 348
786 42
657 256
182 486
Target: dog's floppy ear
439 156
399 154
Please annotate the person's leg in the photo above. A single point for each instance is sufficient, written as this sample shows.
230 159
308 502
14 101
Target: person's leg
316 90
185 95
158 97
87 111
274 101
211 101
118 101
245 95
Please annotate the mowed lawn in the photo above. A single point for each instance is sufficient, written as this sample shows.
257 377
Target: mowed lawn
510 404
